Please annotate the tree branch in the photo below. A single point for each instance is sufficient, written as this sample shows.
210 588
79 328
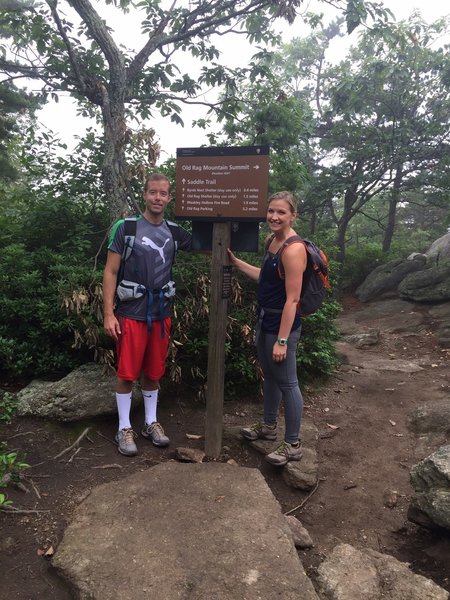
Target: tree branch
70 50
98 30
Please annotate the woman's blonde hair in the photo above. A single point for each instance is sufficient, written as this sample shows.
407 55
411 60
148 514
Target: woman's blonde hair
288 196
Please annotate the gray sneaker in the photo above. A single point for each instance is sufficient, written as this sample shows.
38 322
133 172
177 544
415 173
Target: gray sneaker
284 453
155 432
125 440
260 431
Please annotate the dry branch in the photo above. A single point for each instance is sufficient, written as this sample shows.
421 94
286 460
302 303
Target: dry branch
74 445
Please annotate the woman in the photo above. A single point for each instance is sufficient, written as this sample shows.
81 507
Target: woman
279 327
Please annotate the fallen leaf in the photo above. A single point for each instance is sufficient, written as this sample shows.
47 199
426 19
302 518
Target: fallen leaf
389 389
393 423
50 552
332 426
433 366
40 552
193 436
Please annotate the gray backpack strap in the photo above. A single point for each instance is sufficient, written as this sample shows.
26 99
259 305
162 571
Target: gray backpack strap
130 226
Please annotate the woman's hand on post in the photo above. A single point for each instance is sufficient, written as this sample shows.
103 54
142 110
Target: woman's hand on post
232 258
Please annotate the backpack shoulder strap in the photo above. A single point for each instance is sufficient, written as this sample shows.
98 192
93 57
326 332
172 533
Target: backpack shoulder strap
130 226
268 242
175 230
294 239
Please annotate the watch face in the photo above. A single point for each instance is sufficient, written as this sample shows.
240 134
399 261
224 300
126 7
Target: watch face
282 342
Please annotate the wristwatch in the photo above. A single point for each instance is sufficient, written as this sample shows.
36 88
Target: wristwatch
282 341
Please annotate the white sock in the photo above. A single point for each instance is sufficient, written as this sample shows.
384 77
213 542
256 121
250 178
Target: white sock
150 403
123 408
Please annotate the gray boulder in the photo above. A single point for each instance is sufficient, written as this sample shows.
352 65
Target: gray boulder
387 277
439 249
84 393
429 285
432 417
210 531
430 505
349 573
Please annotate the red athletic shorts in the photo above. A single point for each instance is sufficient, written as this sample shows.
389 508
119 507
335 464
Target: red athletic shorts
140 351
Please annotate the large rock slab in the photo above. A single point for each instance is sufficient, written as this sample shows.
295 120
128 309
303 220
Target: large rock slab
352 574
430 285
386 278
430 505
183 531
84 393
353 356
389 315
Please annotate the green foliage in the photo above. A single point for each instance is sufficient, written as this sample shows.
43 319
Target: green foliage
11 465
13 103
48 243
8 406
316 353
360 261
36 333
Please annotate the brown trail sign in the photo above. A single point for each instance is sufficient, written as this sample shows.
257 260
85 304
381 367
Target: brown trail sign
220 185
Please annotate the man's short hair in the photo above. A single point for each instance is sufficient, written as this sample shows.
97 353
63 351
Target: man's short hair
156 177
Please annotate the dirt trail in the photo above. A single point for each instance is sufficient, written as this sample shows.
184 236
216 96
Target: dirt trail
365 453
364 491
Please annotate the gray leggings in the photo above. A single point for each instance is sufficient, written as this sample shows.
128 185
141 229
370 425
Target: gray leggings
280 383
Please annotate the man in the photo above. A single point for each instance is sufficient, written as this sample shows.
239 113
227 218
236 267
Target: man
140 321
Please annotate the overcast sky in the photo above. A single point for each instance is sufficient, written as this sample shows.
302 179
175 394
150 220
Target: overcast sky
60 117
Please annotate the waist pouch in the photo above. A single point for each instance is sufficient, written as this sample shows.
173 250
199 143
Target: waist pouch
129 290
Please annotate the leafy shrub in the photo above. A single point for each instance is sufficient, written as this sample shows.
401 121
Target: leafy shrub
316 354
11 466
10 463
8 406
36 332
360 262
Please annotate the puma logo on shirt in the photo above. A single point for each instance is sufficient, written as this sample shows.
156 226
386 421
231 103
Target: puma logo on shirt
160 249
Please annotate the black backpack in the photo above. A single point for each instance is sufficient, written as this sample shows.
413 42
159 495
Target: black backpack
315 278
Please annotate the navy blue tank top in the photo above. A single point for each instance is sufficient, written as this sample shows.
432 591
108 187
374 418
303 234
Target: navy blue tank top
271 295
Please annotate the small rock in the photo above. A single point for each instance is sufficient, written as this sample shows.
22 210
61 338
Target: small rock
390 498
192 455
301 537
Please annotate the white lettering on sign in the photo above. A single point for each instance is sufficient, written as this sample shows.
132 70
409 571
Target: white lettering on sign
215 167
239 167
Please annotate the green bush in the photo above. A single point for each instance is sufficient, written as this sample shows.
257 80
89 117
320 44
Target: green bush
316 353
36 331
360 261
11 464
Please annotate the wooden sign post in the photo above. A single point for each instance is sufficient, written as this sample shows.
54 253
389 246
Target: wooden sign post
220 185
220 292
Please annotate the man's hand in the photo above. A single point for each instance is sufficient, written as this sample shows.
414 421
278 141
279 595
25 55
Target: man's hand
112 327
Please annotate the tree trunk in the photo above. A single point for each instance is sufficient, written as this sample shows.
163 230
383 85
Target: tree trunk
114 168
392 213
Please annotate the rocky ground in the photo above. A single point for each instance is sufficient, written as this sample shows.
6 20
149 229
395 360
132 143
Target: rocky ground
365 453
